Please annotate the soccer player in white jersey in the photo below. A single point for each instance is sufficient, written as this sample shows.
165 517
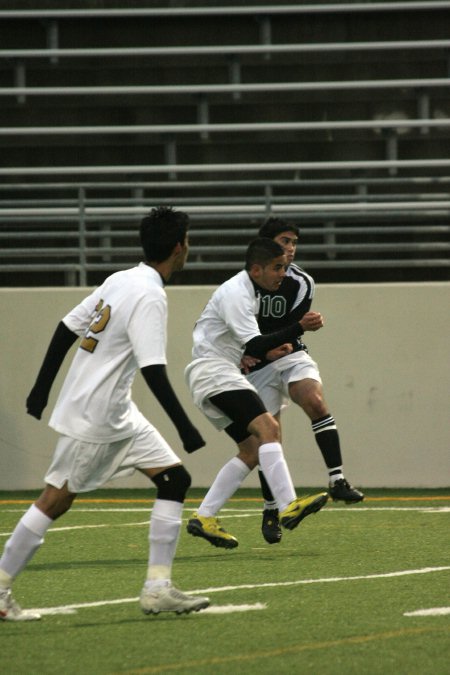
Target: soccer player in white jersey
227 327
296 376
293 376
122 326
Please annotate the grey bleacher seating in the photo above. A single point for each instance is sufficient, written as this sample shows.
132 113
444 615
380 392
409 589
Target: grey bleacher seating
336 116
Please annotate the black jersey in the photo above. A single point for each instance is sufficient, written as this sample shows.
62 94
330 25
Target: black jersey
286 305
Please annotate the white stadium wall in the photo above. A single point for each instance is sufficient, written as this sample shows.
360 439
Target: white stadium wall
383 356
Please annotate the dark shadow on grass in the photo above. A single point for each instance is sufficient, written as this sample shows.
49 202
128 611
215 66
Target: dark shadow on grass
159 618
52 624
225 557
254 557
75 564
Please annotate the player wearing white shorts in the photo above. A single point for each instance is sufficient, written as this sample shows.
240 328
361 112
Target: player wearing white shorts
226 328
295 376
122 327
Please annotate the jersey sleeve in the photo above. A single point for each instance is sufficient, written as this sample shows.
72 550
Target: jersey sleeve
239 312
305 295
80 317
147 330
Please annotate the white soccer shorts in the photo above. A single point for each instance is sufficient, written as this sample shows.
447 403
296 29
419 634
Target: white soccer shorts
207 377
87 466
272 381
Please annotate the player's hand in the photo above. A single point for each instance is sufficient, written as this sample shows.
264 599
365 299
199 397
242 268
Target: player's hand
248 362
192 440
36 402
311 321
278 352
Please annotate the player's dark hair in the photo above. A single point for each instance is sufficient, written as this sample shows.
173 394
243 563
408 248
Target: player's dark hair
161 230
262 251
274 226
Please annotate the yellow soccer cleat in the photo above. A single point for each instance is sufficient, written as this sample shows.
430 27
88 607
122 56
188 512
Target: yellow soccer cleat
301 507
211 530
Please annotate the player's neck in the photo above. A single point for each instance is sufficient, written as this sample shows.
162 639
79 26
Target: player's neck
163 268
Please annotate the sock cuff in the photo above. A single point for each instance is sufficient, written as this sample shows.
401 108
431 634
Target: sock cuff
335 474
242 466
5 580
323 424
36 521
158 573
167 509
270 447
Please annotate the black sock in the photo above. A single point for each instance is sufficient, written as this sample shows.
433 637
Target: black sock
266 491
327 439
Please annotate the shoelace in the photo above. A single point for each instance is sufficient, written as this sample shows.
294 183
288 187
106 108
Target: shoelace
179 595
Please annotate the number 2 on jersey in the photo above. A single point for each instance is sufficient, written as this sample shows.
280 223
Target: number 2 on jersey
99 323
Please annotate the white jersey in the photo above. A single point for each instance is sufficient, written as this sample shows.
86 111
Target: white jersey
123 326
228 321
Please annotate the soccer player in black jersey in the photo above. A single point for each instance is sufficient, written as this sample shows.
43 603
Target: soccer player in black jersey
295 376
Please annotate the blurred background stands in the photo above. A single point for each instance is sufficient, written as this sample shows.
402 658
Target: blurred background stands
335 116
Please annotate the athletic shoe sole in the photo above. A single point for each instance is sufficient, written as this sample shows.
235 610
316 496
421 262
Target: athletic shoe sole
184 610
348 500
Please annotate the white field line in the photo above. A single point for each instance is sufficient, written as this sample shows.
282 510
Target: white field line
225 513
70 609
214 609
433 611
232 513
86 527
300 582
227 609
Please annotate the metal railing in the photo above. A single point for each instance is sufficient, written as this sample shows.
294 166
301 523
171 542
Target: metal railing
226 50
104 236
228 10
227 168
232 88
238 127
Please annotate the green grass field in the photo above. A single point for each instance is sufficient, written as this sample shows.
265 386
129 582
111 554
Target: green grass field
340 594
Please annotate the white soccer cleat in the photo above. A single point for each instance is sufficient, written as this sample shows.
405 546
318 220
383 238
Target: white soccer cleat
11 611
170 599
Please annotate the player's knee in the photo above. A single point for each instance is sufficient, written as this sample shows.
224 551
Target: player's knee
266 428
315 406
173 483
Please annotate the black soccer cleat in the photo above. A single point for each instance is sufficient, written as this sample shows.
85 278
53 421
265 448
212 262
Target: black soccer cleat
342 491
270 526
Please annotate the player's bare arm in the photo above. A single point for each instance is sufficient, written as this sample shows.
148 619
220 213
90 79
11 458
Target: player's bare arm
248 362
279 352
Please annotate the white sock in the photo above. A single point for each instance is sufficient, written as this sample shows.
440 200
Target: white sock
276 471
227 481
335 474
165 525
5 581
24 541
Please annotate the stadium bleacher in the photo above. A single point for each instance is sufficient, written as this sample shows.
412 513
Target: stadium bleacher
334 115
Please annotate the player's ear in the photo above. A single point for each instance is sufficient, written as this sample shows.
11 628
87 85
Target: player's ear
180 247
255 270
177 249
